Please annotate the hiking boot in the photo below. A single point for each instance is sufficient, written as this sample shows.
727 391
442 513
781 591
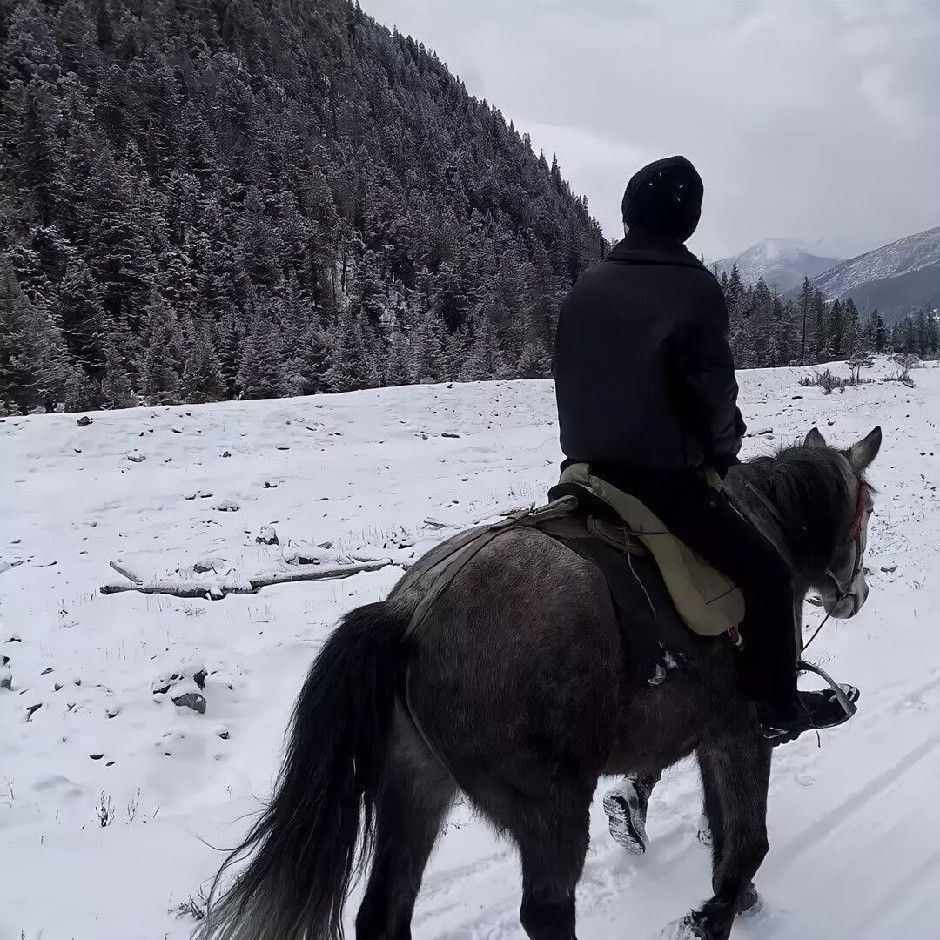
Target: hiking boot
626 807
810 711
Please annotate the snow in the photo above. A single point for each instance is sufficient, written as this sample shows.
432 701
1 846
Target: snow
782 262
903 256
854 824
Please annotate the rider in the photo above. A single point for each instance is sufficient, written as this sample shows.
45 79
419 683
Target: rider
646 391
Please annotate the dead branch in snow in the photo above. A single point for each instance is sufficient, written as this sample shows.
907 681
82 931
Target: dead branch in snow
120 568
218 589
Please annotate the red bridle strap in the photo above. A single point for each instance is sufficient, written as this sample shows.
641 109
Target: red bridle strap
861 505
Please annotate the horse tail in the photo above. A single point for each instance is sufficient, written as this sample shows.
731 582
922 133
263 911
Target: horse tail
303 848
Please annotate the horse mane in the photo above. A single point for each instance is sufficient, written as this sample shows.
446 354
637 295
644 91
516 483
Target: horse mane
809 487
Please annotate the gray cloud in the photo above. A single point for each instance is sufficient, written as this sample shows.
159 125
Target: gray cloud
815 120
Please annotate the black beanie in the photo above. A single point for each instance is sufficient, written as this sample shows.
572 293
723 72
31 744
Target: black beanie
664 198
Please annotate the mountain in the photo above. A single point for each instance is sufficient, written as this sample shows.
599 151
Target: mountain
781 262
209 199
897 279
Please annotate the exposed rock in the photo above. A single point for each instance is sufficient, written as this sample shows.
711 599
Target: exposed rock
192 700
267 536
200 678
163 689
83 421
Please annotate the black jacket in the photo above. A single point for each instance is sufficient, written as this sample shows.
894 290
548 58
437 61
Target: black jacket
644 375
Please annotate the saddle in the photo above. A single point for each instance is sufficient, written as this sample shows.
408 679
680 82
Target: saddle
628 543
707 601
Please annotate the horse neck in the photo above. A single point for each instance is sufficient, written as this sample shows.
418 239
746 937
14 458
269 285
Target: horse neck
800 499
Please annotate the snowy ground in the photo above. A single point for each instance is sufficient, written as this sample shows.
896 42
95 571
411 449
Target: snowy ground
86 732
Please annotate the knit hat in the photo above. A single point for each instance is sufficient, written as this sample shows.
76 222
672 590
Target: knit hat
664 198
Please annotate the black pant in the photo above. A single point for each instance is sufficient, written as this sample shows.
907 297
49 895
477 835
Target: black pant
707 522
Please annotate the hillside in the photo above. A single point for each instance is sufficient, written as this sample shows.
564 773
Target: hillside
89 730
898 279
203 199
782 263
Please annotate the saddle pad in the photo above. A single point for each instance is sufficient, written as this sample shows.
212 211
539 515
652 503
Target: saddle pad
708 601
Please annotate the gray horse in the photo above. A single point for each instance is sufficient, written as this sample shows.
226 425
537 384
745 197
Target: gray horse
519 689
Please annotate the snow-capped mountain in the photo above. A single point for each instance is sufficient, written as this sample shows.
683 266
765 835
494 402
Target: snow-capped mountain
781 262
899 278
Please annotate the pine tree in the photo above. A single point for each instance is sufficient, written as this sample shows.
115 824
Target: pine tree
260 374
117 389
820 328
925 325
81 392
79 309
852 344
876 332
836 330
805 307
201 372
161 362
33 368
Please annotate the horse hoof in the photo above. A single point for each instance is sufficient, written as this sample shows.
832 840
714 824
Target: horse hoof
626 819
677 930
708 924
749 901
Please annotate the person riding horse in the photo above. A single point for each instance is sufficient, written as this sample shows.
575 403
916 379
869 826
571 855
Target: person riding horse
646 393
499 666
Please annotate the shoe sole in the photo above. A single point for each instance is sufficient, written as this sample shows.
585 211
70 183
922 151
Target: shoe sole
626 823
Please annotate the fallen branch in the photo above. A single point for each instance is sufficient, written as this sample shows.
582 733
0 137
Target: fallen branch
121 569
320 574
216 590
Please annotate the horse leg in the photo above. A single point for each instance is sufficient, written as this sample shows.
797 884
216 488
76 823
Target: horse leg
414 796
553 841
711 823
550 826
735 778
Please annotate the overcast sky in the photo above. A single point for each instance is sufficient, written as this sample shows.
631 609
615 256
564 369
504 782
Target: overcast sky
813 120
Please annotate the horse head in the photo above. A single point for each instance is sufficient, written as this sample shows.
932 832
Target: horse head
842 585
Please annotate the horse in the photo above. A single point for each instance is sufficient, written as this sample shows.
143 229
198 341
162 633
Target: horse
517 690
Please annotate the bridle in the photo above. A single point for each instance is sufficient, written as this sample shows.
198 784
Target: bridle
862 507
856 530
863 504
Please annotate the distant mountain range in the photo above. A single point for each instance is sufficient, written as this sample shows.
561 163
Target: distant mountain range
898 279
781 262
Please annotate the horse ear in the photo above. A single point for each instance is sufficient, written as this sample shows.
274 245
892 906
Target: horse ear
814 439
862 453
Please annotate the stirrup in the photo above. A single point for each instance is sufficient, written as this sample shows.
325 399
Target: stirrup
846 695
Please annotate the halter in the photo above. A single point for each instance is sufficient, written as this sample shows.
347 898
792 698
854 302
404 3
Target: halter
862 503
